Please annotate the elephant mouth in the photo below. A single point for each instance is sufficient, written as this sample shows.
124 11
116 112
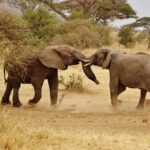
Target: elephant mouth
75 62
92 61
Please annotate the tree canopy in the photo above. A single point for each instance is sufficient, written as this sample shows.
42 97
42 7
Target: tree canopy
97 10
142 22
100 10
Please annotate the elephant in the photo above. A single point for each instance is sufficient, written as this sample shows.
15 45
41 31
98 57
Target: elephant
125 70
44 66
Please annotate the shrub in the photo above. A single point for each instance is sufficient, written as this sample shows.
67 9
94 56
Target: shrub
82 34
141 36
15 29
126 36
73 83
18 44
19 58
15 33
42 23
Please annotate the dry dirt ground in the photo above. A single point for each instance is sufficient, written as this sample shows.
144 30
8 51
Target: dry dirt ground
83 120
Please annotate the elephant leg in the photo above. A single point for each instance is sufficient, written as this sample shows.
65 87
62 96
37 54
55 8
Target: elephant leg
121 88
142 99
5 98
114 97
16 101
53 85
114 91
37 85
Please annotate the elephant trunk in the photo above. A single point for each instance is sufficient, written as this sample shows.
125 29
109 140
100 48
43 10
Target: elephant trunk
89 73
87 70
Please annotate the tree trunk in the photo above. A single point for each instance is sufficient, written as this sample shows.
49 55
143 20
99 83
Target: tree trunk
59 12
148 44
148 39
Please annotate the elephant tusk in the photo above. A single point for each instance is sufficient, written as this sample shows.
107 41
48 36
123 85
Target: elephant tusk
85 60
88 64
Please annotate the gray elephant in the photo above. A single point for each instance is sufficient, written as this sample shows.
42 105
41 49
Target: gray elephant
44 66
126 70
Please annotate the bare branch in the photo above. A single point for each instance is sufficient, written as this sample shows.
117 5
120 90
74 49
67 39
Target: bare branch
51 5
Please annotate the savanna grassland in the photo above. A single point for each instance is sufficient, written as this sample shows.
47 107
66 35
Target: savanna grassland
82 120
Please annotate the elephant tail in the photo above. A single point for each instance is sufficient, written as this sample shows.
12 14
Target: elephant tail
4 70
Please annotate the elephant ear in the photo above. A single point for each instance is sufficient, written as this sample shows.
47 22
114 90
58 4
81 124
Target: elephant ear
107 59
51 58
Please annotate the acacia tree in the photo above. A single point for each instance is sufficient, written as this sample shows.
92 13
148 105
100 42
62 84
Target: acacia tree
100 10
97 10
53 5
24 4
145 23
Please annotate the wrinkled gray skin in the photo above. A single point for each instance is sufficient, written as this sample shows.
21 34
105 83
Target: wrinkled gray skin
126 70
45 66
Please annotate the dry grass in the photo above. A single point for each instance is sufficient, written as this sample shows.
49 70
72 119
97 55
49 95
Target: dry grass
81 121
22 133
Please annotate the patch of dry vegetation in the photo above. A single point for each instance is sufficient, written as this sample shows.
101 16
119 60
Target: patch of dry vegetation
19 58
22 133
72 83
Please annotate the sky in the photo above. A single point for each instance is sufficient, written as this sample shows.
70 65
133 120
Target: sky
142 8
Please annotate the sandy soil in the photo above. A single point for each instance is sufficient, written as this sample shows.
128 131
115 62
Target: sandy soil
81 120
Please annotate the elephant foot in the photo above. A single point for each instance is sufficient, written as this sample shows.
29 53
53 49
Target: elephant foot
5 102
18 104
114 104
32 102
54 106
140 107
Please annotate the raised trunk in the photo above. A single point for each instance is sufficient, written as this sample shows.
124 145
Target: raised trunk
89 73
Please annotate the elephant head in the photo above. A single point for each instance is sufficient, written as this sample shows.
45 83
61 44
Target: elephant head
101 58
62 56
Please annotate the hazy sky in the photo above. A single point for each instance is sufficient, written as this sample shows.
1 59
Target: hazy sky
142 8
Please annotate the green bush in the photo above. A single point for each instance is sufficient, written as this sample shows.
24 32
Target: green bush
42 23
126 36
82 34
141 36
14 30
16 40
